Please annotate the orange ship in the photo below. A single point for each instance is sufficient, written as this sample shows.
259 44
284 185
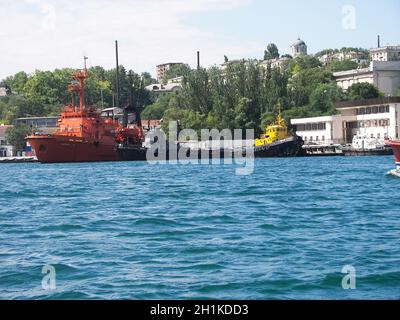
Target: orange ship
395 144
82 134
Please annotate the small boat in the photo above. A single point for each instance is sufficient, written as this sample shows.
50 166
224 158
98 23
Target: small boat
277 141
367 146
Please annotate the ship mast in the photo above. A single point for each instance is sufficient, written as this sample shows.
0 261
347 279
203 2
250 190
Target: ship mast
117 76
79 87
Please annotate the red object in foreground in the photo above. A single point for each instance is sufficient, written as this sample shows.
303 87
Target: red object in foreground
395 144
82 135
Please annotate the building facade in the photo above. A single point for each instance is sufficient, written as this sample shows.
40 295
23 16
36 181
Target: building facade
385 75
373 118
45 125
278 63
388 53
356 56
6 150
319 130
159 89
161 69
3 92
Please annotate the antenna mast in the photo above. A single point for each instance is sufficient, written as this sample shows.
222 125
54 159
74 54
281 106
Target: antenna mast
117 75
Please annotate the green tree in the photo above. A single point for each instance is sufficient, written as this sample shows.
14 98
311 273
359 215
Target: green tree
303 83
272 52
48 88
178 70
304 62
343 65
16 136
15 106
148 79
158 108
98 88
326 51
360 91
15 83
323 99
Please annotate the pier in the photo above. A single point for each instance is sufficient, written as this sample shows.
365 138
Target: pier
322 150
18 160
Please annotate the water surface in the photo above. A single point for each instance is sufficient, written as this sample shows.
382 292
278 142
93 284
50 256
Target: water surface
138 231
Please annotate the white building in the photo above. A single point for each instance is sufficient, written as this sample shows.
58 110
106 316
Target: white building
6 150
162 89
320 130
3 92
388 53
275 63
374 118
385 75
356 56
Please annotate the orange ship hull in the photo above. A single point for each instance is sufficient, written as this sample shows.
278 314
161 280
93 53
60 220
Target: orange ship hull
396 150
57 149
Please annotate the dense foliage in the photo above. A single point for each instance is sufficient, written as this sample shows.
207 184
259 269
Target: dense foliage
245 95
16 136
360 91
178 70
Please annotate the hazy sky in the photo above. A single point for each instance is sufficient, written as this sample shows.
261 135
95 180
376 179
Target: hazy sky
48 34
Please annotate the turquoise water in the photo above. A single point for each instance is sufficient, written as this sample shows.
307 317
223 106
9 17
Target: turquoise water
137 231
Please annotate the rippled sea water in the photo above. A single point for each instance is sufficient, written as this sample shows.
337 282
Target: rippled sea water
139 231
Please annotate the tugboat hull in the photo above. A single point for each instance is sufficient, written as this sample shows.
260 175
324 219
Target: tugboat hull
290 147
131 153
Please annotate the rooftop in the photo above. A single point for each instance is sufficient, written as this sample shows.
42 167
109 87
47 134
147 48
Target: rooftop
351 72
367 102
298 42
313 119
168 63
386 48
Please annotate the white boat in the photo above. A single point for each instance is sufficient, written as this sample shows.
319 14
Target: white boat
364 145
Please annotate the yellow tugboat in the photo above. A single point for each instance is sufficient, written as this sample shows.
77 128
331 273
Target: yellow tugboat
277 141
275 132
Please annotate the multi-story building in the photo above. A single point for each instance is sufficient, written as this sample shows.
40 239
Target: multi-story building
275 63
388 53
163 68
374 118
385 75
356 56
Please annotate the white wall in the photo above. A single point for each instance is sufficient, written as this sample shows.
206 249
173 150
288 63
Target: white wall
334 132
311 136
